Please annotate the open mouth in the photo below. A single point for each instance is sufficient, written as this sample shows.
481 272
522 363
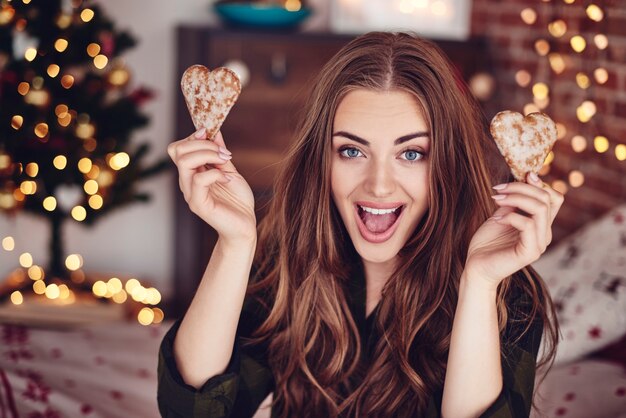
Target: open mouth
378 225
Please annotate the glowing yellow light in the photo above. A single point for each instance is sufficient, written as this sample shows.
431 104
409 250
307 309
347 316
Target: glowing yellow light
37 97
91 187
576 178
73 262
114 285
79 213
586 111
158 316
17 298
16 122
41 130
105 178
5 161
94 172
26 260
39 287
61 44
569 1
35 273
578 43
53 70
560 186
523 78
549 158
28 187
30 54
530 108
561 130
579 143
84 165
52 291
583 81
601 41
85 130
50 203
67 81
8 243
120 297
541 103
26 1
99 288
601 143
601 75
96 202
6 14
119 161
131 284
119 77
154 296
542 47
32 169
64 21
100 61
93 49
23 88
620 152
293 5
65 119
145 316
86 15
138 293
61 109
59 162
529 16
64 292
540 91
594 12
557 28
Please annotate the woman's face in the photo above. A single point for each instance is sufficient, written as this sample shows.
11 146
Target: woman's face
379 170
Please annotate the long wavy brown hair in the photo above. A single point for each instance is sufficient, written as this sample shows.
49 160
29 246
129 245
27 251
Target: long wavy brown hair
305 258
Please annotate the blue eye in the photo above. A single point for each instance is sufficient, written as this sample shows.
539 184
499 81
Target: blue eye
349 152
412 155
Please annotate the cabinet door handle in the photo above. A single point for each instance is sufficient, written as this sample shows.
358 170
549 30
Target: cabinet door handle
278 68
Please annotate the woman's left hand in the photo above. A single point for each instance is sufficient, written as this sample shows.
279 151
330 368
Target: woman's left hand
517 233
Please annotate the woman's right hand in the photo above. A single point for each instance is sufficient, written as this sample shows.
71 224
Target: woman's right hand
212 186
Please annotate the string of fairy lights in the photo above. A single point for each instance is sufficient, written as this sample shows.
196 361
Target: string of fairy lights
562 48
98 175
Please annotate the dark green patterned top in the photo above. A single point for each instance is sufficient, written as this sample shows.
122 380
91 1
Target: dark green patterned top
248 380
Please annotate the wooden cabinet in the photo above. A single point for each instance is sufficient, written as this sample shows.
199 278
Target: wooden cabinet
259 128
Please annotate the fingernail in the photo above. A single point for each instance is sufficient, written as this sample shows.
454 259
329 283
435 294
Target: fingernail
201 133
499 186
534 177
224 156
496 217
225 151
498 197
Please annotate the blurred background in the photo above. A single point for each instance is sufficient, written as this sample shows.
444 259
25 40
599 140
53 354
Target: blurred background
93 227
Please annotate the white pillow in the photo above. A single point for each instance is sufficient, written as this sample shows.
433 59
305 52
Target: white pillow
586 276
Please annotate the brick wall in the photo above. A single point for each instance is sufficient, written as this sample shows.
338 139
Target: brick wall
512 43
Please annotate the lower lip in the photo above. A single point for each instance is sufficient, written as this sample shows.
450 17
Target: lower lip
373 237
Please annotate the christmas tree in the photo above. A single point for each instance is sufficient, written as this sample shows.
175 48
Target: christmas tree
67 116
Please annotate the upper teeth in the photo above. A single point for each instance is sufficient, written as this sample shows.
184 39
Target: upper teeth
378 211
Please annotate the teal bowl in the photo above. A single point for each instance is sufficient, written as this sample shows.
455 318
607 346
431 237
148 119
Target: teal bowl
260 16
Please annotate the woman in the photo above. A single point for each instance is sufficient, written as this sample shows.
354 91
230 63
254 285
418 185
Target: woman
386 280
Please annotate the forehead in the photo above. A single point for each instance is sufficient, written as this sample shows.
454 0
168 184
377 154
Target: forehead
364 111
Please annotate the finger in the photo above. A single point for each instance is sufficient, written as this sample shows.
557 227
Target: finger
200 183
556 198
191 163
219 140
526 247
173 147
537 209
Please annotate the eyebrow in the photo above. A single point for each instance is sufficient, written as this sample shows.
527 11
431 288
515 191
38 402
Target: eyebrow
398 141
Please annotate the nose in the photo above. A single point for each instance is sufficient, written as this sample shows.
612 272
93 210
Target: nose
380 181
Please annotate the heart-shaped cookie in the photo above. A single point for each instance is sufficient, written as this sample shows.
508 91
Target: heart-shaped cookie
209 95
525 142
